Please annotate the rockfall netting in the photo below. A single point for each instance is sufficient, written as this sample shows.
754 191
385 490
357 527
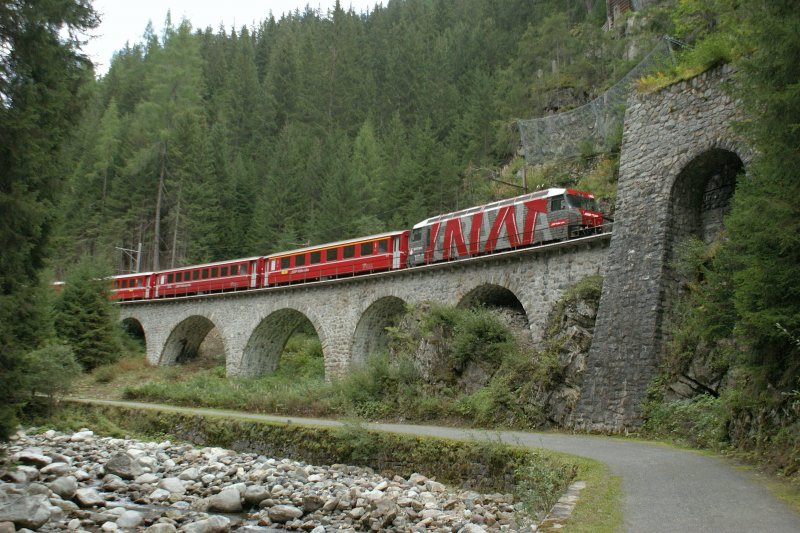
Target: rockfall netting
565 135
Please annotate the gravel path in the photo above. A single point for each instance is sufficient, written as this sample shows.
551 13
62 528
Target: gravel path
664 489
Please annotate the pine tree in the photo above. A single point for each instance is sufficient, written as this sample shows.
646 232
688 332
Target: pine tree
764 228
86 319
41 73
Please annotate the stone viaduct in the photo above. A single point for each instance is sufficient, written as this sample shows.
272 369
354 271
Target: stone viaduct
350 315
678 167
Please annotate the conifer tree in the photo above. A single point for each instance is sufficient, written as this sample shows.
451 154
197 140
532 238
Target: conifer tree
86 319
41 72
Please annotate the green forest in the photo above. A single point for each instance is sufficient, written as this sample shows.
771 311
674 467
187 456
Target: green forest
212 143
203 144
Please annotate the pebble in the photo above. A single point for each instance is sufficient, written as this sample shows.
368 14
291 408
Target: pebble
85 482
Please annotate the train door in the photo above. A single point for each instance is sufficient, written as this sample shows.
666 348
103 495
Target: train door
396 252
253 274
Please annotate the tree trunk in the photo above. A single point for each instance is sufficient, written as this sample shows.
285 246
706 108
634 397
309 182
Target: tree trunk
157 221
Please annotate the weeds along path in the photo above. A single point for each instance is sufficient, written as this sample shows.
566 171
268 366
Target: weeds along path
664 489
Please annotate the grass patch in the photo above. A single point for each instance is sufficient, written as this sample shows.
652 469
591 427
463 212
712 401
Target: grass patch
599 508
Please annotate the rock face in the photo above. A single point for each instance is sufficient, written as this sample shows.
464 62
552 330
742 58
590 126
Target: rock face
186 486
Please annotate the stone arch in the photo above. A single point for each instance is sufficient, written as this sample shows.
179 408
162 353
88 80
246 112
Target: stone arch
701 193
185 339
699 197
491 295
370 334
134 328
265 345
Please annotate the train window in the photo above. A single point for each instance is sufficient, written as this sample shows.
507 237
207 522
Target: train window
416 235
332 254
315 257
286 262
214 272
124 283
169 278
349 251
299 260
557 203
243 268
367 248
223 271
139 282
383 246
582 202
195 275
205 273
273 265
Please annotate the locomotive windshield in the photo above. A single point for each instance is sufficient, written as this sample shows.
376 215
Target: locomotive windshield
582 202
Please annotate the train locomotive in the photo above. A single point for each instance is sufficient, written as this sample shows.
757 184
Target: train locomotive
541 217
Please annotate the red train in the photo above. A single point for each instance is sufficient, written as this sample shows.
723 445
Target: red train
544 216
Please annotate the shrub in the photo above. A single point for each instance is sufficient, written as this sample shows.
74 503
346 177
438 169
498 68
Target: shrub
699 421
50 370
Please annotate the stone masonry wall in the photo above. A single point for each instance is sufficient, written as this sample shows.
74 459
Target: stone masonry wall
350 314
663 133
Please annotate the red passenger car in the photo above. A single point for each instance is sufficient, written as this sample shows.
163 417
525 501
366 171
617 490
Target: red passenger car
386 251
212 277
132 286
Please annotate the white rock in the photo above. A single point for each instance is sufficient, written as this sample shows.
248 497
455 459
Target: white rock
227 501
173 485
161 528
284 513
82 436
159 495
109 526
190 474
89 497
65 487
214 524
58 469
146 479
130 520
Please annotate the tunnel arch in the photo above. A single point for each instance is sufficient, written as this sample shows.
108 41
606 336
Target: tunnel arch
370 334
263 351
185 339
701 194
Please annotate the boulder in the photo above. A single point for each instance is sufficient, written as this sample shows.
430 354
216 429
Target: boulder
214 524
65 487
130 520
58 469
284 513
124 466
173 485
227 501
33 456
312 503
25 510
89 497
255 494
161 528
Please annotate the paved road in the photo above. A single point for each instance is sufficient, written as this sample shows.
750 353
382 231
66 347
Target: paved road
664 489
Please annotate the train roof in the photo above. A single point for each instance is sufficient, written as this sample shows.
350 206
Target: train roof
544 193
133 274
337 243
217 263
